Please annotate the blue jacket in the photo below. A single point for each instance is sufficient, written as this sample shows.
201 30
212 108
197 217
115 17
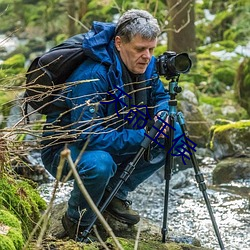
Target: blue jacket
87 119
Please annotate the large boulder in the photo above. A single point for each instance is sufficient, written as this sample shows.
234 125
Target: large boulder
230 143
230 139
150 235
231 169
197 125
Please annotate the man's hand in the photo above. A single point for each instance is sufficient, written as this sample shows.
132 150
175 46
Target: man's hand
166 129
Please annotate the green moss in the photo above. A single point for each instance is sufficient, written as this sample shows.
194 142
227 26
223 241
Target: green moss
16 61
220 132
225 75
128 244
16 237
13 239
9 219
214 101
236 125
21 199
6 243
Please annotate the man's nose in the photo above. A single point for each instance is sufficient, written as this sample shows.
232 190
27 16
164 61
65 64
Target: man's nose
146 54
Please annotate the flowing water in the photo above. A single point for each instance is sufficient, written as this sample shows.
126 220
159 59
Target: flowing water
187 212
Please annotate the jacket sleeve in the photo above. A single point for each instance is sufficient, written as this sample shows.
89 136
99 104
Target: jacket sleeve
88 117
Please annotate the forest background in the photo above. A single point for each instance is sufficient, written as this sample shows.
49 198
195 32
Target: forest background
214 33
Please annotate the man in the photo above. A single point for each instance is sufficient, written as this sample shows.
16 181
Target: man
123 85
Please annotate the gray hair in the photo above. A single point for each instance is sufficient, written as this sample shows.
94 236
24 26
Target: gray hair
137 22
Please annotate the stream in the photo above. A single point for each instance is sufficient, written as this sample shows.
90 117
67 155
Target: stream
187 212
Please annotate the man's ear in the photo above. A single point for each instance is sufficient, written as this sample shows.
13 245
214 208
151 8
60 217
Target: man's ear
118 43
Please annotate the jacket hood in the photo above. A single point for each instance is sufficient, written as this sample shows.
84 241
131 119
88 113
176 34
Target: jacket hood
98 43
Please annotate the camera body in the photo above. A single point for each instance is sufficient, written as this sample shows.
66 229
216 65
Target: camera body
171 65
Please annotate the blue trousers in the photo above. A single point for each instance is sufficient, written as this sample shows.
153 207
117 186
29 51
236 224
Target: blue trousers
99 171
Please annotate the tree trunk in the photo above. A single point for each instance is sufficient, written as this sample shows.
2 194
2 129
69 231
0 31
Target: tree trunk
83 7
71 6
181 27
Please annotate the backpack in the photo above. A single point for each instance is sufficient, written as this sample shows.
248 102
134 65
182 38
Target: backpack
47 74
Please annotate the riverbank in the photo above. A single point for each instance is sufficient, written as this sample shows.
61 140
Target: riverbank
188 215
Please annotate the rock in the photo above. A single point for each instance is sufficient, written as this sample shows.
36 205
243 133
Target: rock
197 125
149 237
231 169
231 139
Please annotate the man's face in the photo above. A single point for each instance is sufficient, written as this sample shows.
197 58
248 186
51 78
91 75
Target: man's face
137 53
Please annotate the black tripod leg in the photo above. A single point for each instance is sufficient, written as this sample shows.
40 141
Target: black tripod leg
200 179
168 173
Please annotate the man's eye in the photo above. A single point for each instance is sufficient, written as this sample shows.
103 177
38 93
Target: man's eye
139 50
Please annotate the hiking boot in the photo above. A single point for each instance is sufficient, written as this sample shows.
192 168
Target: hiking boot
75 231
121 211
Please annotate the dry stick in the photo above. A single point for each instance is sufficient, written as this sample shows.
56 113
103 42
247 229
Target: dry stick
137 236
45 217
66 154
99 238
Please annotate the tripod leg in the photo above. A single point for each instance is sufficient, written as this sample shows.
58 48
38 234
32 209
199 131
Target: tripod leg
168 173
200 179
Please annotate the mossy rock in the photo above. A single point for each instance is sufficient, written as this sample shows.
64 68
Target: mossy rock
231 139
11 237
128 244
22 200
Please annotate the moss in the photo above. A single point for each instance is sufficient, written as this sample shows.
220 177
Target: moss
128 244
225 75
16 61
9 219
21 199
214 101
16 237
13 239
236 125
6 243
221 132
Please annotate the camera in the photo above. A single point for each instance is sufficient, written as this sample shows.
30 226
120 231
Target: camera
171 65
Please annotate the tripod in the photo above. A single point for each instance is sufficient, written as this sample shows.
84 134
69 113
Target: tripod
173 90
128 170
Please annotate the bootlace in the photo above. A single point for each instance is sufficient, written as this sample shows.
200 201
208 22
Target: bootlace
127 203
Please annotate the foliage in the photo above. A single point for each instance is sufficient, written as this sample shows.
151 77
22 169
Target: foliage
242 84
227 21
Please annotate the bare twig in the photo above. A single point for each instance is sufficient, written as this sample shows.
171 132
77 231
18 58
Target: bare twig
137 236
67 155
99 238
